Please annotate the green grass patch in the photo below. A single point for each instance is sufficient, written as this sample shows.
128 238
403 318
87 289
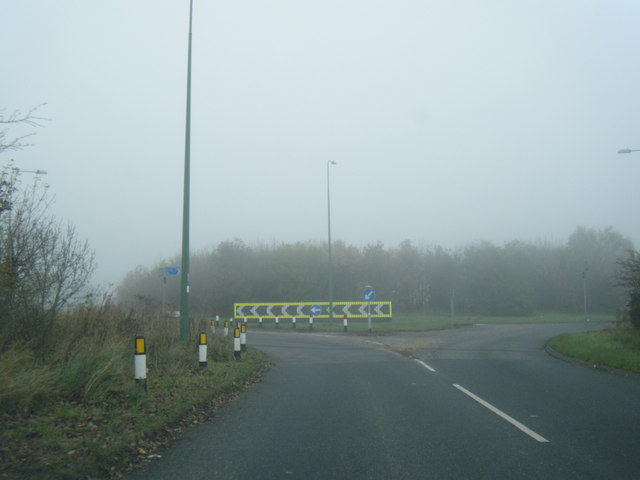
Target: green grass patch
617 347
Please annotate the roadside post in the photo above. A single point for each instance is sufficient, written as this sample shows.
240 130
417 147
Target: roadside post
140 361
202 349
243 338
236 343
260 321
213 326
293 322
226 328
311 322
277 322
345 324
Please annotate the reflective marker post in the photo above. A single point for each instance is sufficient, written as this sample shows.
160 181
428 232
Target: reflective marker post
293 322
345 324
202 349
236 343
140 361
243 338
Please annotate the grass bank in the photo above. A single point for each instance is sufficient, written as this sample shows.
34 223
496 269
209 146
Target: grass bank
617 347
74 411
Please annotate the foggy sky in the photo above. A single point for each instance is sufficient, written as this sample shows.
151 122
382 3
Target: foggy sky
451 121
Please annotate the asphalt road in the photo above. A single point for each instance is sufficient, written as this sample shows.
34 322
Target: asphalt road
484 402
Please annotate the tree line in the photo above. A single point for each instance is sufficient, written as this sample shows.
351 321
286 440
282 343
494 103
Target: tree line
515 278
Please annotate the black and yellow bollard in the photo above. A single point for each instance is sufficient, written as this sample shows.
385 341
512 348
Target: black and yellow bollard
202 349
226 328
140 361
236 343
243 338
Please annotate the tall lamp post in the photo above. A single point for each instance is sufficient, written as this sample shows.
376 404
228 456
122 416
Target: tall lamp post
329 163
184 272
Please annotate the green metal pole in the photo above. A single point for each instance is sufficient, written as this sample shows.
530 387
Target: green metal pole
184 278
329 163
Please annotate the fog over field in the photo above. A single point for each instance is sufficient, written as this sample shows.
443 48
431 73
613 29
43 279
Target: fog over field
450 121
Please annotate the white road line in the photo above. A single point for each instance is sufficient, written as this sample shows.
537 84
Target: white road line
426 366
500 413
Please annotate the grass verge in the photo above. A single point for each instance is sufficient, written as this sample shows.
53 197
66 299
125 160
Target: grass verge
75 412
616 347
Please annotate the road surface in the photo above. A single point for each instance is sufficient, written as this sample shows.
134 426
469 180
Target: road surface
484 402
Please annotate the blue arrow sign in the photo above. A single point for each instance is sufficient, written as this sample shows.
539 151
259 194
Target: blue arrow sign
369 294
171 271
316 310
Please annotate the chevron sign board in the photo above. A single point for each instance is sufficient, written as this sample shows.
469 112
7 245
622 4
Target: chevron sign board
315 309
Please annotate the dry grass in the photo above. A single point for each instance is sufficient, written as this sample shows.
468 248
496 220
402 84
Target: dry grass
71 409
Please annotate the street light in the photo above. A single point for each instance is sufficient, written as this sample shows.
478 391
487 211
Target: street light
184 272
329 163
627 150
37 172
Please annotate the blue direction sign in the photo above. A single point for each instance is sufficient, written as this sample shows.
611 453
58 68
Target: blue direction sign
171 271
316 310
369 294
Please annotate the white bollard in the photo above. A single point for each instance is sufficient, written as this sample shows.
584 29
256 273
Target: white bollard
140 361
236 343
310 322
202 349
243 338
293 322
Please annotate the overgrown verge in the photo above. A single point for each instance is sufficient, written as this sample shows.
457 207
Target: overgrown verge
74 410
616 348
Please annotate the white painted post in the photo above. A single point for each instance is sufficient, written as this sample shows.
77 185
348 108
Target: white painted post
236 343
277 322
243 338
226 328
345 323
260 321
310 322
140 361
293 321
202 349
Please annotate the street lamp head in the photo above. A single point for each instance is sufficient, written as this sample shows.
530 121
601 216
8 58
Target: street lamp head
331 162
625 150
37 172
